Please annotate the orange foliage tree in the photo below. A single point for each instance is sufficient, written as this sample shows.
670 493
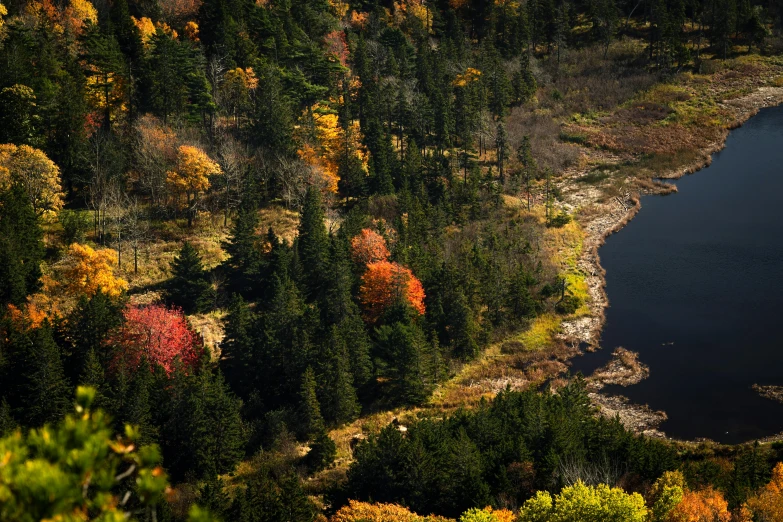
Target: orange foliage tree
707 505
385 283
357 511
767 504
85 271
369 247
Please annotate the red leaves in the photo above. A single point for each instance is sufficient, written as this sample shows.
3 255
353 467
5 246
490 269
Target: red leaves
384 283
369 247
158 334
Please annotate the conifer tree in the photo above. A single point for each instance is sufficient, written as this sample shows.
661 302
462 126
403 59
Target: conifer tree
188 287
89 326
35 382
311 422
340 402
238 348
244 261
313 243
21 247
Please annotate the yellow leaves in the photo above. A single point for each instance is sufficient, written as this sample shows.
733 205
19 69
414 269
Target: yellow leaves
193 169
147 28
768 503
191 31
357 511
77 13
339 7
413 8
469 76
35 172
86 271
330 144
3 12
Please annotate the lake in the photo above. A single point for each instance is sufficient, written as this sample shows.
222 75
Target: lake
695 286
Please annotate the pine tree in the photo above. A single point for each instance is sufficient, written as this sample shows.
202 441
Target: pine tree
94 376
89 326
38 391
311 422
322 452
188 287
244 261
238 348
340 402
313 243
7 422
21 247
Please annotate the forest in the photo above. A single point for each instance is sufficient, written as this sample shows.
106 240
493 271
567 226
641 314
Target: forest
231 231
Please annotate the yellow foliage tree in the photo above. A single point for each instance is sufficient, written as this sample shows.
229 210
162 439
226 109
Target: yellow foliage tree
3 12
191 31
331 142
415 9
35 172
357 511
77 13
191 176
86 271
707 505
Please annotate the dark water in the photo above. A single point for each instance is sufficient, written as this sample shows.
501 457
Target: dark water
695 285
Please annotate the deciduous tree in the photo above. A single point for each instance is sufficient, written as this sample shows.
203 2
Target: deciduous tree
35 172
86 271
384 283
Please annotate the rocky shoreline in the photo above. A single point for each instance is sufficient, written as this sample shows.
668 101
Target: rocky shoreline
605 216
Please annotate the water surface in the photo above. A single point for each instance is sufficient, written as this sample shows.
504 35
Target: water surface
695 285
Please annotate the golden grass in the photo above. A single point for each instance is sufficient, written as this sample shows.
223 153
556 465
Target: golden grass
541 333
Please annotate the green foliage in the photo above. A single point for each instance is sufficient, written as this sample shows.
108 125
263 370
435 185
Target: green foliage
581 503
188 287
44 471
21 247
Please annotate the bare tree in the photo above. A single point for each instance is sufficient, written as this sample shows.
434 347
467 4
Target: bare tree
136 226
234 162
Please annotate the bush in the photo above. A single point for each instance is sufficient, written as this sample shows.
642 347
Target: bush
568 305
75 226
559 220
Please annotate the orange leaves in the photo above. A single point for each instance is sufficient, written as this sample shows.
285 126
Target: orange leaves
364 512
147 28
191 31
369 247
337 46
416 9
707 505
192 172
86 271
768 503
385 283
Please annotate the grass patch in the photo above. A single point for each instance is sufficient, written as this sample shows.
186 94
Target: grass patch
594 177
577 287
541 333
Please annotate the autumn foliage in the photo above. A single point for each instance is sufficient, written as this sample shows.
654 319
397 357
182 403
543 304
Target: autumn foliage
365 512
158 335
707 505
86 271
369 247
35 172
384 283
767 505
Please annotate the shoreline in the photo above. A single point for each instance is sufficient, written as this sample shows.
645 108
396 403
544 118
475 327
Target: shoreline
612 217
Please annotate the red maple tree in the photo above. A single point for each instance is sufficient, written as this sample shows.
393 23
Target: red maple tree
158 334
384 283
369 247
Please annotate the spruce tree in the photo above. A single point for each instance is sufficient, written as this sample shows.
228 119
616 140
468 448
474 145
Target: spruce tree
310 420
188 287
244 257
238 348
37 388
340 402
89 326
313 243
21 247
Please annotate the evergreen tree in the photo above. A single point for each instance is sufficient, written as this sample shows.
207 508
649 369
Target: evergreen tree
238 348
89 326
188 287
311 422
313 243
21 247
36 387
340 402
244 261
